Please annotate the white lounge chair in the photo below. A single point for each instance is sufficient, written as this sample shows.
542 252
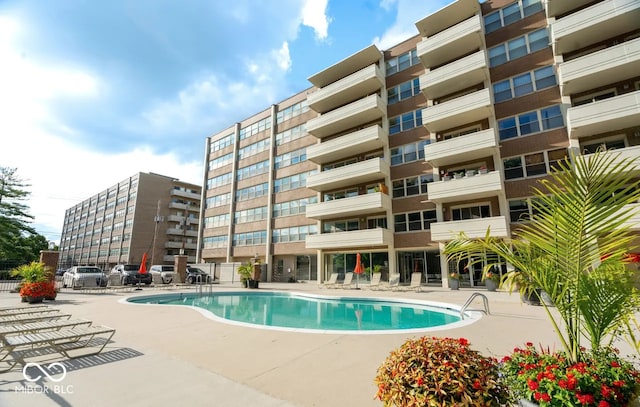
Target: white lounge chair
375 281
77 339
31 317
331 282
347 282
45 325
416 281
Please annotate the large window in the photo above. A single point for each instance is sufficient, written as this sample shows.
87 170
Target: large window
221 143
250 215
531 165
402 62
292 207
254 148
253 191
253 170
340 226
408 153
255 128
212 242
405 121
292 111
290 158
411 186
345 193
218 200
414 221
217 221
220 161
524 84
250 238
518 47
218 181
403 91
471 212
510 14
293 234
292 182
291 134
530 122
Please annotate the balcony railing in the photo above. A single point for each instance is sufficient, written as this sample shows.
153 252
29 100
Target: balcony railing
366 238
462 148
347 117
348 145
468 187
460 74
451 43
358 173
616 113
464 109
606 19
472 228
349 207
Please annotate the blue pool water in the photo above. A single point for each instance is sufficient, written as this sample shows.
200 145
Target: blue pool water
291 311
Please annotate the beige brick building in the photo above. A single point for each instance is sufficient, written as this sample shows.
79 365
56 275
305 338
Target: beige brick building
146 212
392 152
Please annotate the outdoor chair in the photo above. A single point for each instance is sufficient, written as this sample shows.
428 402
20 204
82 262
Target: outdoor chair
44 325
78 339
347 282
375 281
332 281
31 317
416 282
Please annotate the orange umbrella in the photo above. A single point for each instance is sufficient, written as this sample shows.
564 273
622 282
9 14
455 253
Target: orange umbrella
359 269
143 264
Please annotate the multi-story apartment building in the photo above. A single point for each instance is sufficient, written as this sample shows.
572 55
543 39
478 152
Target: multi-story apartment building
145 213
393 152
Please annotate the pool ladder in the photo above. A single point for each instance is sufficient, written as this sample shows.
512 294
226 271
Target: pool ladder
485 301
200 284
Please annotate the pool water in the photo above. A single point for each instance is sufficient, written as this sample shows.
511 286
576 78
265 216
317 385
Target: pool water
291 311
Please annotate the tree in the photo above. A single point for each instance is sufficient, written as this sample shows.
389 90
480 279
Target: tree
576 248
14 215
26 249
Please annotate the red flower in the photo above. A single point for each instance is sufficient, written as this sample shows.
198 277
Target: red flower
615 364
618 383
463 341
585 398
563 384
533 385
477 385
542 397
603 404
605 391
528 344
419 381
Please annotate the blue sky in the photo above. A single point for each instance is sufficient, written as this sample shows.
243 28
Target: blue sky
92 92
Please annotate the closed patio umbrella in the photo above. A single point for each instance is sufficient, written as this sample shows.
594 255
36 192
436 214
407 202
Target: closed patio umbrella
359 269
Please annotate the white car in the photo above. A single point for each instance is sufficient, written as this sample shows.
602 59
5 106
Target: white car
165 272
84 276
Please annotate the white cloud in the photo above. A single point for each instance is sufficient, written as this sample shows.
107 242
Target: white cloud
314 16
282 57
408 13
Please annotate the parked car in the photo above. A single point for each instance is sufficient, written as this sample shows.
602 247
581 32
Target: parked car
84 276
60 272
165 272
195 275
129 274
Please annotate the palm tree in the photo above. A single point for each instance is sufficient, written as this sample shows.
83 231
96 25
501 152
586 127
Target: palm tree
575 247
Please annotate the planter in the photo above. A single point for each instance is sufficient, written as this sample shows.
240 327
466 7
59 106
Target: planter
531 298
546 299
32 300
491 285
454 284
252 283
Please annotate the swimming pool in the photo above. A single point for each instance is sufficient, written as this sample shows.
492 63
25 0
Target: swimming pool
318 314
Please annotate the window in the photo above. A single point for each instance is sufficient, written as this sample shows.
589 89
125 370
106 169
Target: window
292 111
250 238
535 164
217 221
291 134
373 223
532 165
250 215
253 170
502 91
544 77
212 242
252 192
293 234
346 193
292 207
519 210
218 200
471 212
518 47
513 168
293 157
221 143
510 14
408 153
406 121
255 128
414 221
218 181
522 85
411 186
340 226
220 161
254 148
603 145
403 91
401 62
292 182
528 123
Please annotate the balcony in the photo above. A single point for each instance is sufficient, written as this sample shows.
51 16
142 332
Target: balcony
593 24
464 109
451 43
364 82
179 245
476 186
365 238
559 7
460 74
600 68
447 16
350 207
357 113
463 148
619 112
352 63
627 153
359 173
185 194
182 232
472 228
349 145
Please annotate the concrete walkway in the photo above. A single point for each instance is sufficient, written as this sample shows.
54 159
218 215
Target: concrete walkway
174 356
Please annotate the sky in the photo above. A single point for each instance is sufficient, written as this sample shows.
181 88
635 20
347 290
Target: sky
93 92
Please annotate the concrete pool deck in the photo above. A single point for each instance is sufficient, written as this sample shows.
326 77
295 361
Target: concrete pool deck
167 356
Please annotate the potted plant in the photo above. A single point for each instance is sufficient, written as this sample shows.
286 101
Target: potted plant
446 176
482 170
454 280
491 280
36 284
245 271
432 371
600 378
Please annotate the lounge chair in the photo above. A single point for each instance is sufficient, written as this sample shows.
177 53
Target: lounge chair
347 282
44 325
31 317
375 281
62 341
416 282
332 281
20 311
13 308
